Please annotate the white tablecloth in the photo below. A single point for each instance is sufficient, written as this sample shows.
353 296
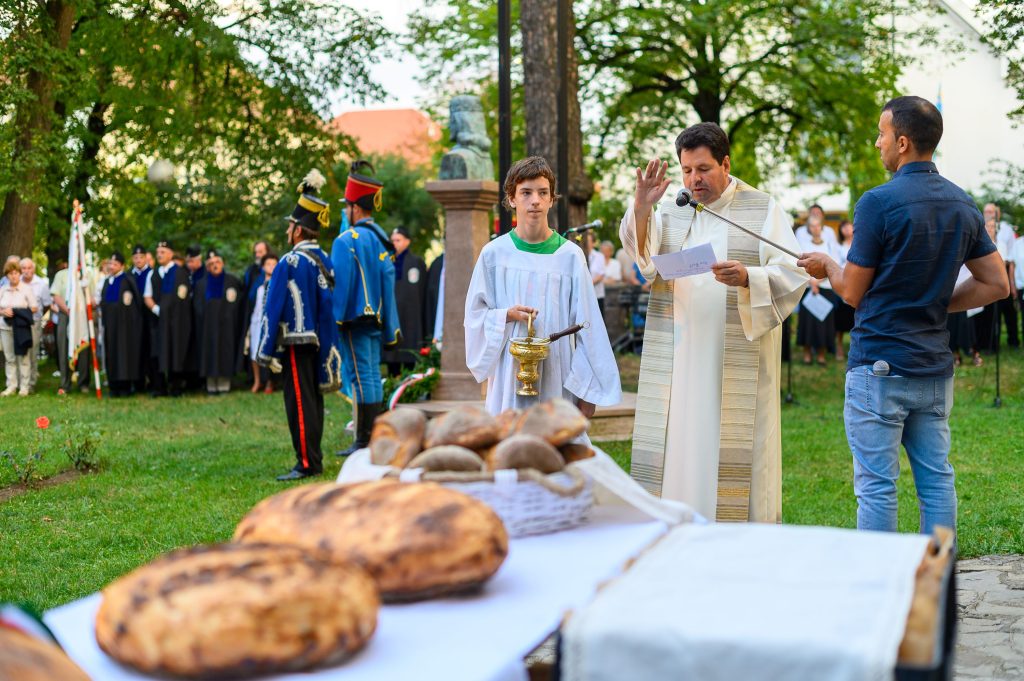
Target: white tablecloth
479 638
754 602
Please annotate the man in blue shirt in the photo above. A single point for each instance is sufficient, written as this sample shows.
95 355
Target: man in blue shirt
913 234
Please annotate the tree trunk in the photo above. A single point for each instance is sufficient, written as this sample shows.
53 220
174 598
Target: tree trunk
538 21
33 123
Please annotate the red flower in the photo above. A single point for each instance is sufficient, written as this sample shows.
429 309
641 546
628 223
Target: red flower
424 351
42 422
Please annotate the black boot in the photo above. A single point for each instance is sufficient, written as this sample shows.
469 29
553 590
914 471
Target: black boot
366 413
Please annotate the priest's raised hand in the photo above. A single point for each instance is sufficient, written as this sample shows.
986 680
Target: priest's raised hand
651 185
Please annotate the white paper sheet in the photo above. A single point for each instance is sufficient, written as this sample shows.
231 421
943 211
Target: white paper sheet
479 638
756 602
818 305
685 263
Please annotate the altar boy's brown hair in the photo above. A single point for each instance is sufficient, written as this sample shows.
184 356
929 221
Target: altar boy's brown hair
529 168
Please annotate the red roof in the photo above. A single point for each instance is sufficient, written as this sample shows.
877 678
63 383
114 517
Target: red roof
406 132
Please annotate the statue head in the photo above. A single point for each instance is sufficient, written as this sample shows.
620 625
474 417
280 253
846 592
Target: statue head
466 121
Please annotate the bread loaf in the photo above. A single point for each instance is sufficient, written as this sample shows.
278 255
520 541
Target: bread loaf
417 540
525 451
575 452
468 426
397 436
558 421
448 458
26 658
236 610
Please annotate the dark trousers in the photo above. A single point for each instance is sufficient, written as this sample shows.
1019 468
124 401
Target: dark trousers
304 405
1008 311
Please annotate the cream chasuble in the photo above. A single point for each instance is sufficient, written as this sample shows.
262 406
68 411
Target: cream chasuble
707 428
560 286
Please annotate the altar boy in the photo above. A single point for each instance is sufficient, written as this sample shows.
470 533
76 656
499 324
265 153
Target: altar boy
535 271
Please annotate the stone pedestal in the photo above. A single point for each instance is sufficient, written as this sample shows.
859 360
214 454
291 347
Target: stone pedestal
467 205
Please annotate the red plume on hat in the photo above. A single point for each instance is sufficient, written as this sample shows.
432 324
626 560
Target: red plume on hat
360 185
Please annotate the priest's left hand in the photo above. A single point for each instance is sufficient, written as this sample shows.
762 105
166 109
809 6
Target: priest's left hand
731 273
586 408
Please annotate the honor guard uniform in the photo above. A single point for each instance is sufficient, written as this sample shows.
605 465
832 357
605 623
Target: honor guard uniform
123 324
364 299
298 335
147 365
169 296
220 304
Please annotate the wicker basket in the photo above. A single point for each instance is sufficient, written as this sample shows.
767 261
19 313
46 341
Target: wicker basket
527 501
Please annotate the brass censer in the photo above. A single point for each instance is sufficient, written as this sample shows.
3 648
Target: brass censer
530 351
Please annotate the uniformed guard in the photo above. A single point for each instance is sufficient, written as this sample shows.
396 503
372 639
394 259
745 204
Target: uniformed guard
298 335
123 324
219 303
364 298
169 296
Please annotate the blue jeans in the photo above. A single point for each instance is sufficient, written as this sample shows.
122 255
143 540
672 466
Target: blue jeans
883 411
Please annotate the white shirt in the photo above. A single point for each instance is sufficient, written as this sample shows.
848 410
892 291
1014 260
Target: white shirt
148 290
1005 237
41 288
613 271
803 237
596 264
1017 256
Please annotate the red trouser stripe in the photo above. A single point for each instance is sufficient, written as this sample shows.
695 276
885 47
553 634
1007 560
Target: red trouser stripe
298 403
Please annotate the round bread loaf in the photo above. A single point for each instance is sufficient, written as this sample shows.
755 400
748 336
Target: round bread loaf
236 610
558 421
397 436
417 540
508 421
575 452
447 458
525 451
26 658
469 427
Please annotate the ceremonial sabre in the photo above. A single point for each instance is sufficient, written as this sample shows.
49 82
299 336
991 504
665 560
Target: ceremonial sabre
685 198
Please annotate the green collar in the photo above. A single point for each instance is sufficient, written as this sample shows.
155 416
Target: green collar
546 247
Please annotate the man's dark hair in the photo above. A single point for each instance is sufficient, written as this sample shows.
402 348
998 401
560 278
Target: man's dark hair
815 205
529 168
704 135
269 256
306 234
918 120
365 202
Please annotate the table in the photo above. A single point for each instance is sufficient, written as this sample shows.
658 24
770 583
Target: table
479 638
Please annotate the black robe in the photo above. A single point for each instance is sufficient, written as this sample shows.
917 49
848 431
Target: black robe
122 309
410 299
220 305
174 324
433 294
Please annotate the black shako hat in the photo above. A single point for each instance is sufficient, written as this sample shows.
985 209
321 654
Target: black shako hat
311 212
193 251
138 250
118 256
211 253
164 244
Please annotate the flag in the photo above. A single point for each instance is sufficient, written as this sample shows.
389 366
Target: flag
81 330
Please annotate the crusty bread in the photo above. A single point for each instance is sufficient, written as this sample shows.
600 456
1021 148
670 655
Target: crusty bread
525 451
558 421
26 658
447 458
417 540
508 421
468 426
237 610
575 452
397 436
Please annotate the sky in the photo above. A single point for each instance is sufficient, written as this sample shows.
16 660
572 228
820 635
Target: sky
397 75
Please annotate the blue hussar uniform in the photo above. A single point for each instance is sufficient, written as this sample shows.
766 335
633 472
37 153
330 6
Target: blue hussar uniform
364 301
299 336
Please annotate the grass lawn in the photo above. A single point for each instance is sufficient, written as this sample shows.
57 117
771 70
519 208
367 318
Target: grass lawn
182 471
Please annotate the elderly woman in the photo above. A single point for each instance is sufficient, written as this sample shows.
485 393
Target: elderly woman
17 305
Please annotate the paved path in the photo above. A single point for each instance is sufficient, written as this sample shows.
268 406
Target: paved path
990 642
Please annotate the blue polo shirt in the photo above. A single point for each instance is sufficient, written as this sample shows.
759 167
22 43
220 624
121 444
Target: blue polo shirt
916 230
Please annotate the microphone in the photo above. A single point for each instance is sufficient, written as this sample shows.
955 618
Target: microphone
596 224
685 198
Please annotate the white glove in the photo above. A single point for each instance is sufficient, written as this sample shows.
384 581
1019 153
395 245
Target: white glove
275 365
156 310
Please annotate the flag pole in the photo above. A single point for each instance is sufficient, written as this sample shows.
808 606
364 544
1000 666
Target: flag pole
91 325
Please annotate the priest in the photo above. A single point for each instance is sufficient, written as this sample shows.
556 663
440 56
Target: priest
219 303
707 428
535 272
123 326
410 301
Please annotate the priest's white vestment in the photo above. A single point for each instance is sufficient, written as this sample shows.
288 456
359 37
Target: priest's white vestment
678 429
560 287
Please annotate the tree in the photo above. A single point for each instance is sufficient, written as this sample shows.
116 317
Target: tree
1005 21
232 93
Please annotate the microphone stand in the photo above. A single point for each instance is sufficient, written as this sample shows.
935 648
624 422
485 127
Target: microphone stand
701 208
996 333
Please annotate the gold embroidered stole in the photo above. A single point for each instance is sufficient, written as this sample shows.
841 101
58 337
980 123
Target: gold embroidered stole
739 367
